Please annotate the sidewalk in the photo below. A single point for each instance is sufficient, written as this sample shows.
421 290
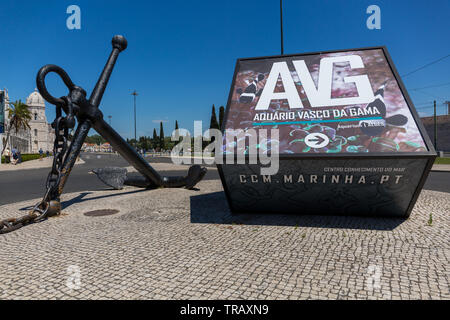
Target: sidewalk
441 167
32 164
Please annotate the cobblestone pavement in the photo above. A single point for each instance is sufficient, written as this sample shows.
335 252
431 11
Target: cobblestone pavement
181 244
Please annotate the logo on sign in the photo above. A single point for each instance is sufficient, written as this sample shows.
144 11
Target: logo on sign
320 96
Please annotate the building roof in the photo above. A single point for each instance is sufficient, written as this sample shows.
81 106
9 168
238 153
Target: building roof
35 99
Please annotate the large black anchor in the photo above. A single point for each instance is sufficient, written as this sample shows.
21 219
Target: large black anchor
76 106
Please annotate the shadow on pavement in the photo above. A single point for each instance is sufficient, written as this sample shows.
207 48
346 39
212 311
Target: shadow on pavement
79 198
213 208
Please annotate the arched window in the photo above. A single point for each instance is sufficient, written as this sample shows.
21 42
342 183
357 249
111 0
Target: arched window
35 132
35 116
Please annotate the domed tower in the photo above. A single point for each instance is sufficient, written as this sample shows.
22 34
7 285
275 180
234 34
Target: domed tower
41 132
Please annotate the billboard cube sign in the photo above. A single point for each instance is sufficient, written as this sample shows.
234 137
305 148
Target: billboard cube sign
347 137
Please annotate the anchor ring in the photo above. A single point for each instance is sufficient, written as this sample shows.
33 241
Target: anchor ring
40 82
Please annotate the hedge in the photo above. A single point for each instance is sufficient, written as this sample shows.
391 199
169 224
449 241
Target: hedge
27 157
442 161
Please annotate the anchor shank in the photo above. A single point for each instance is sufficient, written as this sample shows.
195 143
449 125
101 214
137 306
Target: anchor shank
127 152
73 153
97 93
119 44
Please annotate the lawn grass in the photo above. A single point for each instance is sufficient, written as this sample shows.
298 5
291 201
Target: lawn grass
442 161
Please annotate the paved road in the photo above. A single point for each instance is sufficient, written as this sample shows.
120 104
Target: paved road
24 185
29 184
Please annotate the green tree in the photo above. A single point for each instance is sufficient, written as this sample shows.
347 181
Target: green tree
221 116
213 124
143 143
161 136
132 142
19 117
96 139
176 124
155 139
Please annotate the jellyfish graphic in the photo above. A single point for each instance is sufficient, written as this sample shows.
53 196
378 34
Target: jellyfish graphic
373 128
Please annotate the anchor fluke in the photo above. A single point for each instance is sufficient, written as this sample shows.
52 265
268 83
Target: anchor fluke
112 176
195 174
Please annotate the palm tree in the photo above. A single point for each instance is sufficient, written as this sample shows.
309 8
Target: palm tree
19 116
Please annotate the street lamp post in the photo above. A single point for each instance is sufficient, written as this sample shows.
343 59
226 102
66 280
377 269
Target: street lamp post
134 93
109 117
281 26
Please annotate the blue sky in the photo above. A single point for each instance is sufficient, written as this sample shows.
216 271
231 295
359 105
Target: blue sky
181 54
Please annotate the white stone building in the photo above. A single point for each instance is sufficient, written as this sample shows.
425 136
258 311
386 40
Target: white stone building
21 139
40 135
